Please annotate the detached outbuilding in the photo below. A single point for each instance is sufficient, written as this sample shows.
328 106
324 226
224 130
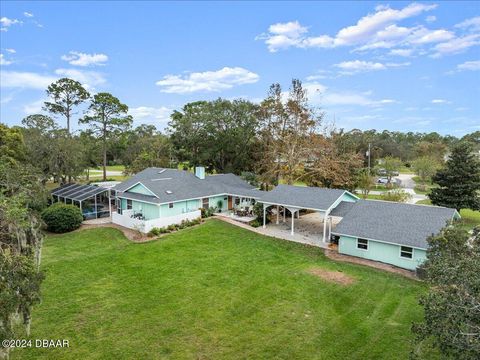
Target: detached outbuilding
389 232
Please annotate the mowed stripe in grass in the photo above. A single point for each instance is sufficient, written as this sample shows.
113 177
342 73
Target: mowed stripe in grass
214 291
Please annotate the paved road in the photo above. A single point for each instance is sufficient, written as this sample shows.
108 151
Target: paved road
407 184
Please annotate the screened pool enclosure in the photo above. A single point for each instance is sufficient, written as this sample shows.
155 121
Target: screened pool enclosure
93 201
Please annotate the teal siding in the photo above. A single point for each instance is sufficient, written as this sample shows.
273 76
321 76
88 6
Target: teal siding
213 202
179 207
149 211
378 251
140 189
348 197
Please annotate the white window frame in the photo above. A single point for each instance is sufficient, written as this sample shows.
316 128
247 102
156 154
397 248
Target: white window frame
400 252
367 244
131 204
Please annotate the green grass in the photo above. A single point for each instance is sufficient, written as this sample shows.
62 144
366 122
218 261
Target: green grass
424 202
214 291
110 168
470 218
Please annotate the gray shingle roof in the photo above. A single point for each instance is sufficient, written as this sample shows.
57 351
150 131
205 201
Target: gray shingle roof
398 223
342 209
170 185
302 197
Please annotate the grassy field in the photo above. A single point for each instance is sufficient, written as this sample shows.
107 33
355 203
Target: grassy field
110 168
215 291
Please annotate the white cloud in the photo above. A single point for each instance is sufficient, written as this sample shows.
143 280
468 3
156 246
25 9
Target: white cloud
222 79
34 107
6 22
10 51
15 79
401 52
4 61
472 24
83 59
456 45
151 115
358 66
377 30
469 65
440 101
27 14
89 79
321 95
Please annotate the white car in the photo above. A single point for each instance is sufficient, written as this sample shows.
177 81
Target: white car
382 180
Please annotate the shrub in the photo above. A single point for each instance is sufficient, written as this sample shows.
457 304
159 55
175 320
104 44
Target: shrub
258 212
219 205
255 223
154 232
61 218
172 227
207 212
397 195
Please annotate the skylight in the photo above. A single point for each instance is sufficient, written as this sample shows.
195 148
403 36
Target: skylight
169 192
160 179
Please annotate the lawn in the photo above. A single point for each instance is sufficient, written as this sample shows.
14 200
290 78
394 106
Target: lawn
110 168
214 291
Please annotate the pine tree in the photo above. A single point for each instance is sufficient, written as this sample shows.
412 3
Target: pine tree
459 181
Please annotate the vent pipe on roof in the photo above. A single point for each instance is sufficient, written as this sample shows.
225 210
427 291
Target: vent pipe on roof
200 172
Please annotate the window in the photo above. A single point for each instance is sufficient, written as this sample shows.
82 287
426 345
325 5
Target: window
237 201
362 244
205 203
129 204
253 202
406 252
170 205
225 198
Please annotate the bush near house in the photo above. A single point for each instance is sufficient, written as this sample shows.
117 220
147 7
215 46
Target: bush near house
61 218
164 230
205 213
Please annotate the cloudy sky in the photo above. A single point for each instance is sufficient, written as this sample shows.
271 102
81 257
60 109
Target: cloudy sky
397 66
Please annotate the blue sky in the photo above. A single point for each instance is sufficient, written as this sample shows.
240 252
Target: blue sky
384 65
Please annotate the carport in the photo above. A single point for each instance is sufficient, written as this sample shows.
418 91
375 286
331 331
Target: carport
296 198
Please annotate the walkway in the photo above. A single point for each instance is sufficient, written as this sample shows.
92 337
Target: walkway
308 229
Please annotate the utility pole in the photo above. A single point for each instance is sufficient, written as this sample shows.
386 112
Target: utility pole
368 154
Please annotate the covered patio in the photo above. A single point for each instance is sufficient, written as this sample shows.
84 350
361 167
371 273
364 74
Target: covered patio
315 225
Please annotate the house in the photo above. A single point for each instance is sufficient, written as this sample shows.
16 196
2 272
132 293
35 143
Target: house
157 197
393 233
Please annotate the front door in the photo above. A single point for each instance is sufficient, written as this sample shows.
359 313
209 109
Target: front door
230 203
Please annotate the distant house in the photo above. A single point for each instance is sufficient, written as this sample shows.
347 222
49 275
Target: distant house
393 233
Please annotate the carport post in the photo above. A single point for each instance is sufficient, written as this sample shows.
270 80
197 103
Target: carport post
293 217
329 227
325 226
284 214
264 216
278 210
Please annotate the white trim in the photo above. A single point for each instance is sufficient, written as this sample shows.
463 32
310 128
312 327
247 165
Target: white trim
145 201
368 244
382 241
400 253
139 182
292 206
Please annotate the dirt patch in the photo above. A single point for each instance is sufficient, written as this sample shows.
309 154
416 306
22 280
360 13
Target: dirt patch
332 276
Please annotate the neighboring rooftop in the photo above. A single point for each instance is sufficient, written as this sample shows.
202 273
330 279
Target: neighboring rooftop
398 223
302 197
169 185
